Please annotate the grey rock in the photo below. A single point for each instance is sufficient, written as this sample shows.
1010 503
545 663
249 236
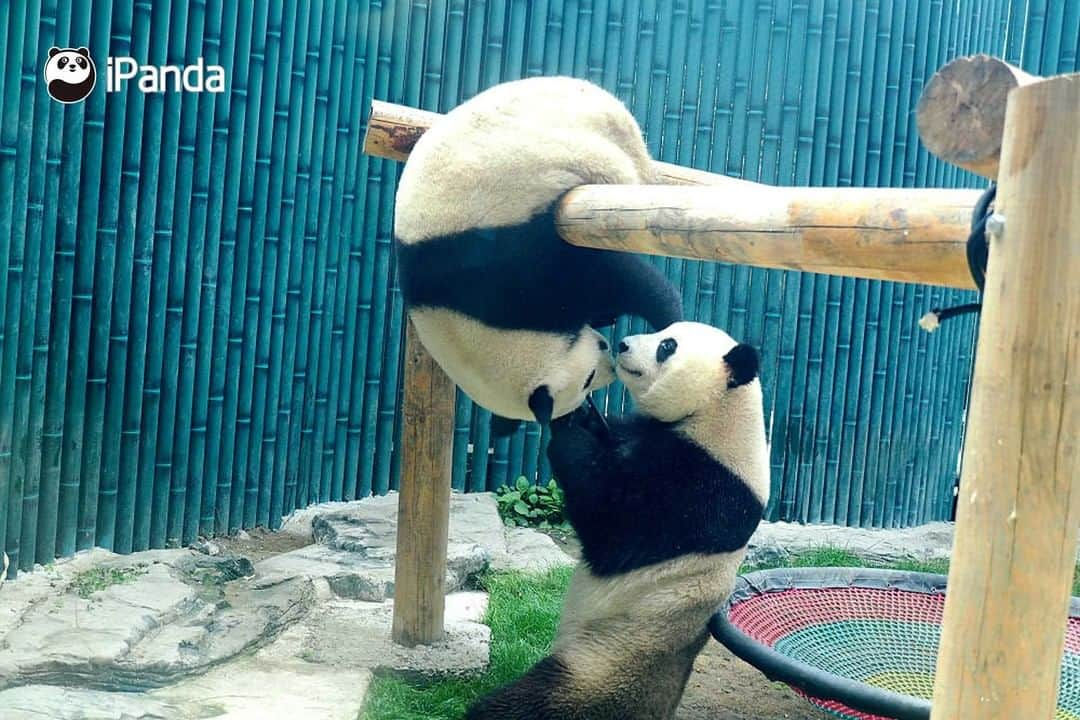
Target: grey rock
775 541
214 569
474 520
365 533
299 521
356 546
350 574
530 551
42 584
358 635
268 687
206 547
247 619
69 636
161 623
263 686
47 702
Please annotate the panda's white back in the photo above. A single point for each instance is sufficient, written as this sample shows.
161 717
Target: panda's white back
507 153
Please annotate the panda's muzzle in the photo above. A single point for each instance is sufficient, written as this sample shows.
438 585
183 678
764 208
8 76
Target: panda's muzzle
629 371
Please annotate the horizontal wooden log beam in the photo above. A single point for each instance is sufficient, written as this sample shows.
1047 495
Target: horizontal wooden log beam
961 112
882 233
394 129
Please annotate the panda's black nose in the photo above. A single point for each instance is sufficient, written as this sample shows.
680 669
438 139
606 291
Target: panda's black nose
623 347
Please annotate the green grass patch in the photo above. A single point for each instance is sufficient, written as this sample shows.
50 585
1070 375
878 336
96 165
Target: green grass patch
87 583
837 557
523 613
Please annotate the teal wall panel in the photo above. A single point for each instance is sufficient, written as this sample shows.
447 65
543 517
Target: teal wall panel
199 325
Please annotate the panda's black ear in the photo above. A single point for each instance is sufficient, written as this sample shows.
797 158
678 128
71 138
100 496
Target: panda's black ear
83 51
53 51
542 404
742 361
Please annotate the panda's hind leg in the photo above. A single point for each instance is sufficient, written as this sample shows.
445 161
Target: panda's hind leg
620 284
540 694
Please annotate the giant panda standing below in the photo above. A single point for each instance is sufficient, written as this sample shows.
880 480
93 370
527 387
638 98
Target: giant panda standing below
502 303
664 502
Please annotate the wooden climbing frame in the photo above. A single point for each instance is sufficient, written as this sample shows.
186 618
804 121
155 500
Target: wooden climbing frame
1019 504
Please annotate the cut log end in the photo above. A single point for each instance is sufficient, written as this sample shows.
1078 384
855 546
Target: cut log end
394 129
961 113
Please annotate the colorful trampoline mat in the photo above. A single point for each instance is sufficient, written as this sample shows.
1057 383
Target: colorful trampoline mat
884 637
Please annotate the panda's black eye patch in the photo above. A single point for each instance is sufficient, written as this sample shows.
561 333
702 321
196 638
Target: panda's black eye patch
603 345
81 62
588 380
666 349
62 62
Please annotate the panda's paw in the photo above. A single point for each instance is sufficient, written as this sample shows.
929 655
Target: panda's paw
593 420
583 419
572 445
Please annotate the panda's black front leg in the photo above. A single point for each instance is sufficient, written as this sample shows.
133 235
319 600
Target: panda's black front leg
577 451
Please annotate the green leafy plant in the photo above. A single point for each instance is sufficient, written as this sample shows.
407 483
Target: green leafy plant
85 584
526 505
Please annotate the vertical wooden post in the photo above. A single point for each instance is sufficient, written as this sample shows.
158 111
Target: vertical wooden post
1019 505
424 497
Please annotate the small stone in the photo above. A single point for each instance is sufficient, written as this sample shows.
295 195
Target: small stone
206 547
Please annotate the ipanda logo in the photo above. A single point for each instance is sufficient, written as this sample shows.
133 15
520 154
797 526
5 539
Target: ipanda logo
70 75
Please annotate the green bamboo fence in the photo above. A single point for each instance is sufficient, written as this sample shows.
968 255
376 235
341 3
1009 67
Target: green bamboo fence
200 329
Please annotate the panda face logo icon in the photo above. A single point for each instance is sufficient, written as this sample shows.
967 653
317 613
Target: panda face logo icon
70 74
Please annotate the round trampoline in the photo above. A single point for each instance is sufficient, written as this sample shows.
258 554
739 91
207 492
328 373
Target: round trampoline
856 642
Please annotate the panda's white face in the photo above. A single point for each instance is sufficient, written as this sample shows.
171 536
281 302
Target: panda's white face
502 369
69 66
673 373
587 366
698 376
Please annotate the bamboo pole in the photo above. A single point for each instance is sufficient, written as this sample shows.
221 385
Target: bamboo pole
424 498
884 233
961 111
1019 507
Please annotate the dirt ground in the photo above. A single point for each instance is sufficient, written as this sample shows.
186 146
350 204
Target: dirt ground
259 543
723 687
